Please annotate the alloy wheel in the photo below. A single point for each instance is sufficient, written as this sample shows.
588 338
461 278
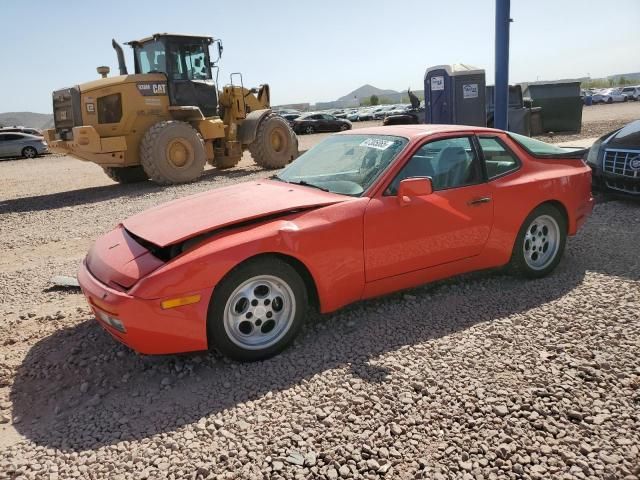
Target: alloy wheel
541 242
259 312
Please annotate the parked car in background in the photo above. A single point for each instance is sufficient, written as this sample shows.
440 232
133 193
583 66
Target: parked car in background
380 113
320 122
632 93
18 144
353 116
361 214
615 160
613 95
365 114
290 117
27 130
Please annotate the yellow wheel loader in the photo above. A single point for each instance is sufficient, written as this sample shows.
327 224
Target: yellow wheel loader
168 119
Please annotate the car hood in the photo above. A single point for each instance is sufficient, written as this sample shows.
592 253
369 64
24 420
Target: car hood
628 136
187 217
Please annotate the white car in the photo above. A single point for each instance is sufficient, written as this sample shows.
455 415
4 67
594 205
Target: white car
613 95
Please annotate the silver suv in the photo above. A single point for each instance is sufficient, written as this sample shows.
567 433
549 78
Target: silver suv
632 93
17 144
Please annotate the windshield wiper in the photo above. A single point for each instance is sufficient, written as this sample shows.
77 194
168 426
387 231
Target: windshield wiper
312 185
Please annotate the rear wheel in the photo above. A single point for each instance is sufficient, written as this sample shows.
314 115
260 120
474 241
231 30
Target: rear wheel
275 144
29 152
309 129
222 163
257 310
540 242
126 174
172 152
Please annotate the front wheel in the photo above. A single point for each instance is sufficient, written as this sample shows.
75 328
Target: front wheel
257 310
344 127
275 144
126 174
540 242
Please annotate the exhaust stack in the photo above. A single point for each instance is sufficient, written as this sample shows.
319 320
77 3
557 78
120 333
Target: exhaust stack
121 64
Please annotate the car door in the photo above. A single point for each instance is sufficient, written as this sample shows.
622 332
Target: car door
450 224
13 145
3 144
328 123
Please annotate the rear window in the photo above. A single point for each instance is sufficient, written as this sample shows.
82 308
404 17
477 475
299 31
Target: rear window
536 147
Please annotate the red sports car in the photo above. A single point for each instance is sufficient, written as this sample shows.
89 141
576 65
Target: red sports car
362 214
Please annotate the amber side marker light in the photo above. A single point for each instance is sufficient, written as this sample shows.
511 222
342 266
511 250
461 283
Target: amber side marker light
179 302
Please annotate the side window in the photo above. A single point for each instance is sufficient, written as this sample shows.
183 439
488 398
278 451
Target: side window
498 159
450 163
195 59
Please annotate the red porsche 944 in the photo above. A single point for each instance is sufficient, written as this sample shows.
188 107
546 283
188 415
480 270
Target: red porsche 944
362 214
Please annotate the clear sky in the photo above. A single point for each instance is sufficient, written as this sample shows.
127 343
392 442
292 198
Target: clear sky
314 50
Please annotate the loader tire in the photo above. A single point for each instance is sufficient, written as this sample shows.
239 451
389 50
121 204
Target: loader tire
172 152
126 174
275 144
223 163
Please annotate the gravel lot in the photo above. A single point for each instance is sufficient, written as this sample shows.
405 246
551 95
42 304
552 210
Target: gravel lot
485 376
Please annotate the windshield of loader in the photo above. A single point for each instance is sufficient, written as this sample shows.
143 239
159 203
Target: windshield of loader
150 57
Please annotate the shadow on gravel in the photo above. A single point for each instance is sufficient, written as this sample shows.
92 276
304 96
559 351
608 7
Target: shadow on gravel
78 389
86 196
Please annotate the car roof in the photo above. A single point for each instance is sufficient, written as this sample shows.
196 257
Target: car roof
417 131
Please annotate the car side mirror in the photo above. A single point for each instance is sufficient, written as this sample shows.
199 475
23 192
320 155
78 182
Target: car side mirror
413 187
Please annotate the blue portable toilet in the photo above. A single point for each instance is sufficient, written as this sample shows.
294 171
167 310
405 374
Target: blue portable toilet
455 94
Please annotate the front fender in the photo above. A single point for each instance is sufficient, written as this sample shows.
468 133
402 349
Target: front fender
249 127
328 241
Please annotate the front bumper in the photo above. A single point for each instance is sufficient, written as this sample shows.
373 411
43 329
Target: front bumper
86 144
148 328
617 183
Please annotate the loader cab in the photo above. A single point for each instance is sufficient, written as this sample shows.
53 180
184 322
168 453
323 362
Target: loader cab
186 62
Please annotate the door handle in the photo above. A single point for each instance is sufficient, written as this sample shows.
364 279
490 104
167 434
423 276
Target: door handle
479 201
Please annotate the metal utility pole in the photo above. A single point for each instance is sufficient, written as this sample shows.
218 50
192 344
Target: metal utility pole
501 100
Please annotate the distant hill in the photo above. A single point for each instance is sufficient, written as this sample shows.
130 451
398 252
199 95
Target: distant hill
628 76
27 119
366 91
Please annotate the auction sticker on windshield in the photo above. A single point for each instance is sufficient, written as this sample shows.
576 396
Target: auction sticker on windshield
377 143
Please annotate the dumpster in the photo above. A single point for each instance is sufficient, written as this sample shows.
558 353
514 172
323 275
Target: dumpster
518 116
560 102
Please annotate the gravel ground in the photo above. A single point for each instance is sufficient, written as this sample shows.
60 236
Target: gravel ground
482 376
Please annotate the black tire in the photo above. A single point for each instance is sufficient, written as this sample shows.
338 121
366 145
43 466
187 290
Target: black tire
156 147
309 129
217 334
344 127
275 144
518 264
223 163
29 152
609 100
126 174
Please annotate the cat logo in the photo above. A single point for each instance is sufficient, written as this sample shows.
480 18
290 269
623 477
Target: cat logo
152 88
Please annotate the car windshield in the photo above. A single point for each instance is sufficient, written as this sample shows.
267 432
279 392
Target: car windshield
345 164
536 147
